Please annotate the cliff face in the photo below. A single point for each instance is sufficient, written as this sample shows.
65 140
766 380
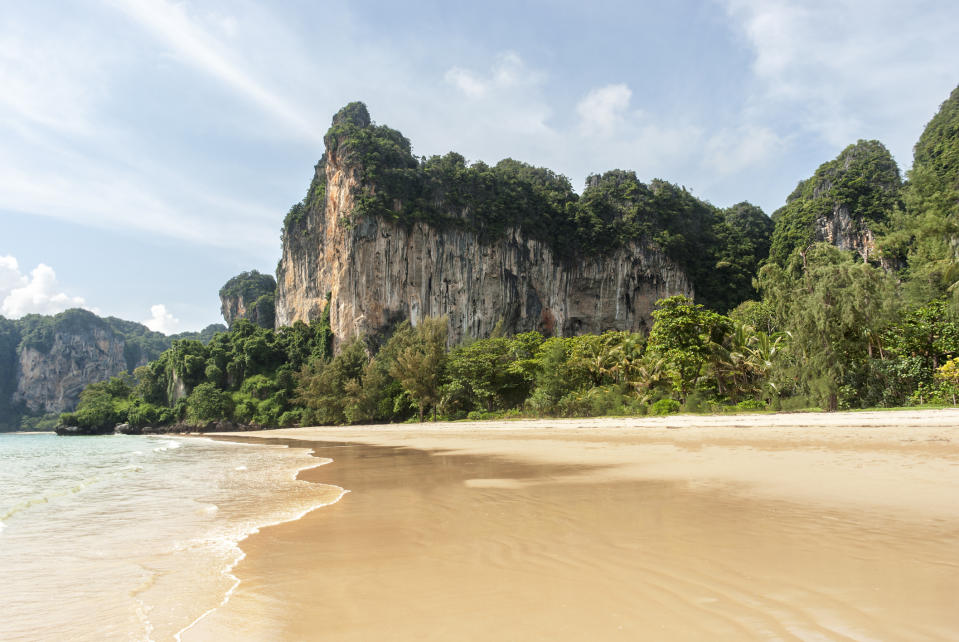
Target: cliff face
841 229
249 295
50 381
379 272
233 308
841 204
46 361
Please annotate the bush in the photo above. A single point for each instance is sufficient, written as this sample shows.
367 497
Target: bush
696 402
291 418
665 407
751 404
208 403
146 414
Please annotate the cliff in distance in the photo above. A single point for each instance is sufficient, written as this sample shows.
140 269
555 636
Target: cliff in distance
249 295
385 237
47 361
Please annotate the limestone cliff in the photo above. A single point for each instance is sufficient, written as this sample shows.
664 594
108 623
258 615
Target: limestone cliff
50 380
46 361
249 295
379 270
843 203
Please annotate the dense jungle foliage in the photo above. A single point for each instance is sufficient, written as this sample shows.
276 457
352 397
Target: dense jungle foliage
824 330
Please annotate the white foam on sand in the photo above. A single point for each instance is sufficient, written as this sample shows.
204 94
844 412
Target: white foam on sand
239 555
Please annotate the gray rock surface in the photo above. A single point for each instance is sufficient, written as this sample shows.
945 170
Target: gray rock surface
379 272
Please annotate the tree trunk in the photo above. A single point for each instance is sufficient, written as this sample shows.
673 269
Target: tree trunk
421 413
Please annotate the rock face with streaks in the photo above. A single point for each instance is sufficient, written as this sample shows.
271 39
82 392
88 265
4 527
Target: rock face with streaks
50 378
378 271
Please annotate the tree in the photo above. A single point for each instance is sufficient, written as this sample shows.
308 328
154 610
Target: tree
208 403
323 384
419 367
827 300
683 335
948 374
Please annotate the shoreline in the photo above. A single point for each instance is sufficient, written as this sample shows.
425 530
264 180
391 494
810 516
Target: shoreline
705 448
228 571
452 529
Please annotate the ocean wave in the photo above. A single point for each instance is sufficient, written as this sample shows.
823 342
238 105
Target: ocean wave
234 540
45 499
80 486
167 445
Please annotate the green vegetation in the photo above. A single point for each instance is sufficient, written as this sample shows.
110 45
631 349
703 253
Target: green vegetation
248 286
864 179
247 375
924 233
834 338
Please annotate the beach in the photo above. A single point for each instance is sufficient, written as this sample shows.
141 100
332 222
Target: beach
787 526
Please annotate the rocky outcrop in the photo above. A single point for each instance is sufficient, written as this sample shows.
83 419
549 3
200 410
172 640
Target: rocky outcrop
841 229
378 272
843 203
249 295
50 380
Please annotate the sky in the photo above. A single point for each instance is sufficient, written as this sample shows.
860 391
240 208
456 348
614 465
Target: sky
149 149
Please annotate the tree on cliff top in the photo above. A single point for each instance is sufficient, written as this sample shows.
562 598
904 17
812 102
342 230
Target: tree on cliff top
248 285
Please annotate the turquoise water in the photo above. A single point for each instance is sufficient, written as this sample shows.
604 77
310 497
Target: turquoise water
130 537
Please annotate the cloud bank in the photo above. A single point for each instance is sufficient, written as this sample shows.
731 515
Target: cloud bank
38 293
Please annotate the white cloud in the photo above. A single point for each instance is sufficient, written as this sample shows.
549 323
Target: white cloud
730 151
67 155
37 294
10 276
508 71
603 110
162 321
848 69
197 46
467 82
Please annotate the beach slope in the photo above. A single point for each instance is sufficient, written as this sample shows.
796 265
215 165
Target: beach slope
788 526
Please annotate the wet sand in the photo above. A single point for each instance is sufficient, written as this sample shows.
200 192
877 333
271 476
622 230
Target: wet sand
812 526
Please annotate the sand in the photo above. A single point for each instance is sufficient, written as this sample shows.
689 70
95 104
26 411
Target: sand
793 526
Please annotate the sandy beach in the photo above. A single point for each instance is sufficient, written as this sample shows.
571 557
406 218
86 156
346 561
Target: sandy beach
793 526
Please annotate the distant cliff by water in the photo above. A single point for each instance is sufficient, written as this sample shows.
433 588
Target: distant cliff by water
46 361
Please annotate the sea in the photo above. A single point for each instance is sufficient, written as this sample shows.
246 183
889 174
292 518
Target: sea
122 537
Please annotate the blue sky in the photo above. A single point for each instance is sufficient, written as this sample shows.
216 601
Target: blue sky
149 149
